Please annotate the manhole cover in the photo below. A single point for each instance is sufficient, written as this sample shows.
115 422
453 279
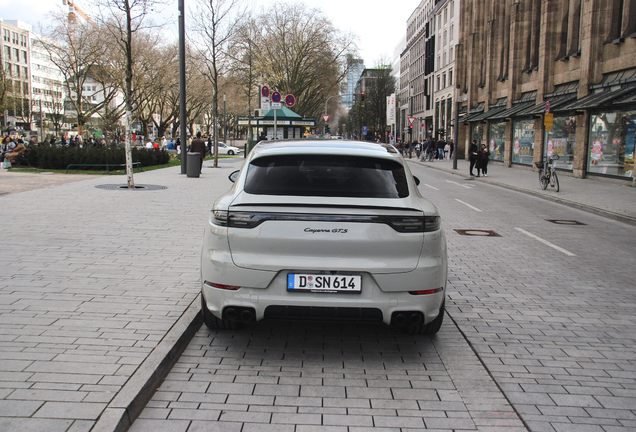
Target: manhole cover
125 187
565 222
478 233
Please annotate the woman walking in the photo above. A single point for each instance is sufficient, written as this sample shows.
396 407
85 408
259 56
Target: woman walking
484 156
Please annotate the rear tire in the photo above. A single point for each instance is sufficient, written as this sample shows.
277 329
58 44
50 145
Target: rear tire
430 328
230 152
215 323
555 181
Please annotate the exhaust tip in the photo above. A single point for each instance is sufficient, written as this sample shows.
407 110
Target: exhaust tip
400 320
416 319
247 315
231 314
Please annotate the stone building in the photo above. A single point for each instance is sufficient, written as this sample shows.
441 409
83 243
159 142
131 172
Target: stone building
518 59
15 68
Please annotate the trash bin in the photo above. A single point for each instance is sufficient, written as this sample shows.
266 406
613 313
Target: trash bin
194 164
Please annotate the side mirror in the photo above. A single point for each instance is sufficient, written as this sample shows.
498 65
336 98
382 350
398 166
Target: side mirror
417 181
234 176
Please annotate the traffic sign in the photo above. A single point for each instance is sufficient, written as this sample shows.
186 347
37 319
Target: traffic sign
290 100
276 97
411 120
277 105
547 107
265 91
548 119
326 117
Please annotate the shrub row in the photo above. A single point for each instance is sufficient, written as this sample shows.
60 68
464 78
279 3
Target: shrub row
53 157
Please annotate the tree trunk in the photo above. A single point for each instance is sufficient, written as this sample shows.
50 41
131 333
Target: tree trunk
128 42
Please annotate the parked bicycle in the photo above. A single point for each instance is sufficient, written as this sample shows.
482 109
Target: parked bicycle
547 172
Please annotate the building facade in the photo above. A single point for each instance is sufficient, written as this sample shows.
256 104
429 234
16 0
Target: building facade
354 71
539 78
15 74
446 16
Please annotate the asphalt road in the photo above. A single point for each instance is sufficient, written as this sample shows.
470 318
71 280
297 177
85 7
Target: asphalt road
540 336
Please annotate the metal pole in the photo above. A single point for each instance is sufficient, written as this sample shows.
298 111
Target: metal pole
275 121
456 133
41 123
182 87
224 122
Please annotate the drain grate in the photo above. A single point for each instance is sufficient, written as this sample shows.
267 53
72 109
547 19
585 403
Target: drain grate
477 233
565 222
125 187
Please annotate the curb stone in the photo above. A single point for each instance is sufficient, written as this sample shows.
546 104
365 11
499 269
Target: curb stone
130 401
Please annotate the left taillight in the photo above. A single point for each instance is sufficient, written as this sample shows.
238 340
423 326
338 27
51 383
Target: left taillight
219 217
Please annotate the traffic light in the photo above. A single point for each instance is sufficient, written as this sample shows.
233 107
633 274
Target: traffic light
362 97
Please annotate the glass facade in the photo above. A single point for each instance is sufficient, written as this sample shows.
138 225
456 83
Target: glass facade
523 142
497 140
611 145
477 132
561 139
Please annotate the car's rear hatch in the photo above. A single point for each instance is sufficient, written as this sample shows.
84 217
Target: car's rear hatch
303 233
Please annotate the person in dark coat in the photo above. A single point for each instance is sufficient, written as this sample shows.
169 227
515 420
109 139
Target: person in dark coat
198 146
473 152
484 156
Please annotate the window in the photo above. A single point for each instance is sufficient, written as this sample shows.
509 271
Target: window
438 82
444 81
7 35
452 9
16 54
322 175
23 40
26 88
7 52
450 78
17 71
14 39
24 57
25 72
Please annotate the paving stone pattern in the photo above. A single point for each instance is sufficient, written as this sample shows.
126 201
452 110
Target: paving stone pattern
554 335
90 282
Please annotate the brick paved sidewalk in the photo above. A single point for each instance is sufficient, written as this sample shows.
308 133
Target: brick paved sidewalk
90 282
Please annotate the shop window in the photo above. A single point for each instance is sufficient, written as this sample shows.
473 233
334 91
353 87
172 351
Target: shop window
561 141
611 144
497 140
523 142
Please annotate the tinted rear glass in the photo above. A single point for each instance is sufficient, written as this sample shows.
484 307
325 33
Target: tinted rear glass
320 175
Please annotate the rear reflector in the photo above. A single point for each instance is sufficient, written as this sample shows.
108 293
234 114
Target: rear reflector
225 287
424 292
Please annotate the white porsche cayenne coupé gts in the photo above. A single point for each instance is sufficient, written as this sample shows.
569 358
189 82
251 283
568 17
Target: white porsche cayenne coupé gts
328 231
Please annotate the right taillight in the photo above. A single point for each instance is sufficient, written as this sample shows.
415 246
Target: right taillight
406 224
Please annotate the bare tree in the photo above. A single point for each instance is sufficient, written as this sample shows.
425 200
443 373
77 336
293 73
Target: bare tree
123 19
302 53
216 23
76 49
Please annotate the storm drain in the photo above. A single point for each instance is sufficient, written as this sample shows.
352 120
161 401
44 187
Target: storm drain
125 187
565 222
477 233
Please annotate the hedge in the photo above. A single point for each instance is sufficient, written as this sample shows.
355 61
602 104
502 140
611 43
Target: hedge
54 157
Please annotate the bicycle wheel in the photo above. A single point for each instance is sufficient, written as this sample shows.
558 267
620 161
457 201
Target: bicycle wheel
554 181
543 180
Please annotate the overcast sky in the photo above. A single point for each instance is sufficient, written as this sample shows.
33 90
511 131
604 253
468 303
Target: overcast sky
380 25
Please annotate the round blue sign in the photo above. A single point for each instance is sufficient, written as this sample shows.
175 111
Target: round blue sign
290 100
276 98
265 91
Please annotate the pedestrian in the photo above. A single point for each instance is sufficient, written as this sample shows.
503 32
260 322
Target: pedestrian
210 145
261 137
198 146
440 149
164 143
447 151
472 156
178 144
418 149
485 157
452 148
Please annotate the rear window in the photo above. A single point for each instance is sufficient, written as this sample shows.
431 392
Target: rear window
321 175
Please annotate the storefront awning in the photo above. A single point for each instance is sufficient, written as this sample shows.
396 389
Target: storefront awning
555 105
514 109
491 113
596 100
475 112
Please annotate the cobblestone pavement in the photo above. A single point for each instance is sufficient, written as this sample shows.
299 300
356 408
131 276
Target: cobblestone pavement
17 181
90 281
554 331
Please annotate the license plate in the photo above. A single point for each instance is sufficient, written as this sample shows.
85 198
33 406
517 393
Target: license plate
324 283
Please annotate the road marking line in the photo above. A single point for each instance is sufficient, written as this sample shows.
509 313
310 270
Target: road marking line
459 184
545 242
466 204
427 185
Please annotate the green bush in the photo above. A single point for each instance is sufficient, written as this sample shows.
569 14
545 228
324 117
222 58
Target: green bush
53 157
